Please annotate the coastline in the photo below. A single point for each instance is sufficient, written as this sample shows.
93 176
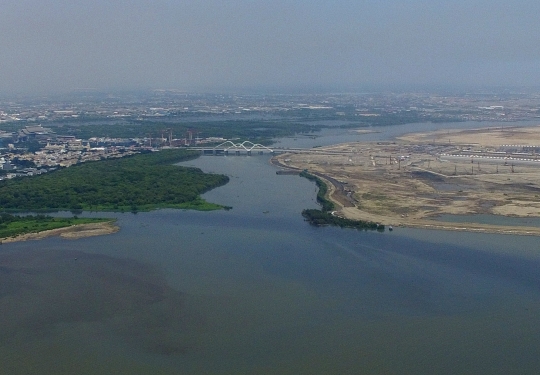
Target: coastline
72 232
440 225
346 209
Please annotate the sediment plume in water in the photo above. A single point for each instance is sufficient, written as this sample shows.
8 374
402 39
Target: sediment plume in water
42 290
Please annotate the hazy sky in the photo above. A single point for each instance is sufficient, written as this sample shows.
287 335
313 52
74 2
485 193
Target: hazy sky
58 45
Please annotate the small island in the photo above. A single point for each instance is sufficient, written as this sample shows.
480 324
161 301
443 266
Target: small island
30 227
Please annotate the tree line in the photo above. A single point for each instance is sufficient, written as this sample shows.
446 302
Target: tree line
324 216
139 182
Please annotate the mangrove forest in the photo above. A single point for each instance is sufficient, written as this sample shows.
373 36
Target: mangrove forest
134 183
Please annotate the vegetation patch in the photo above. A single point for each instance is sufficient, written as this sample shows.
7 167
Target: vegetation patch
13 225
257 131
326 204
135 183
321 218
324 216
374 196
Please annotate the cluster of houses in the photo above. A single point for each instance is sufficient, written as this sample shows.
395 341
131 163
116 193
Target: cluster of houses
58 151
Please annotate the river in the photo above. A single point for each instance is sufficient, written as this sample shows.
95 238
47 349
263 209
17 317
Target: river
256 290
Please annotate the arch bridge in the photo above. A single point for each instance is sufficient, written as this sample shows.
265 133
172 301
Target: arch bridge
229 147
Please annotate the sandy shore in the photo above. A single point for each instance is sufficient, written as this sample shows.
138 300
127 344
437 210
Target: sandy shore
353 213
412 222
73 232
406 183
484 136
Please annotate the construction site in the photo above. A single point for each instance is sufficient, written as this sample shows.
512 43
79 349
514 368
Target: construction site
420 180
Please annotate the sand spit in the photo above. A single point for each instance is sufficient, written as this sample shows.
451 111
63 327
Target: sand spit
73 232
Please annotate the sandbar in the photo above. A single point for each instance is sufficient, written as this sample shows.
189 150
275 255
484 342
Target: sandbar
72 232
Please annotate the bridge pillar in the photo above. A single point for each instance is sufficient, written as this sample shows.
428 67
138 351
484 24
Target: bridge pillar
249 153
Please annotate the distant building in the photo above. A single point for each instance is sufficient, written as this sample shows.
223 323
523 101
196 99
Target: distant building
54 146
5 165
65 138
7 137
34 132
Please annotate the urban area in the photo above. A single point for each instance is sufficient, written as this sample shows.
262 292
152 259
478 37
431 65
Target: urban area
37 133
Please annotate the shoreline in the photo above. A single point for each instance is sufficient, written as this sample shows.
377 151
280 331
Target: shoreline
72 232
443 225
347 210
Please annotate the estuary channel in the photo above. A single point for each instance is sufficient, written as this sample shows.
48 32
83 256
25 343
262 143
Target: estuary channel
256 290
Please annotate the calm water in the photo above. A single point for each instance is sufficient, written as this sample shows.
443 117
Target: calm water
335 135
255 290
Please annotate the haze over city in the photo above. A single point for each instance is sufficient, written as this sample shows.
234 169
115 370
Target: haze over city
53 46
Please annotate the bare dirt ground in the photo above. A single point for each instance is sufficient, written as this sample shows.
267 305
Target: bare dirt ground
491 136
417 178
73 232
